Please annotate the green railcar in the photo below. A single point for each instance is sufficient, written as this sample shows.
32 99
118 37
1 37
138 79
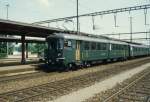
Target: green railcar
94 51
139 50
71 50
119 51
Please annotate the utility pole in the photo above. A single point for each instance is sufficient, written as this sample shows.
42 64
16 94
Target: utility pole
149 40
115 19
0 8
7 7
77 17
145 16
131 29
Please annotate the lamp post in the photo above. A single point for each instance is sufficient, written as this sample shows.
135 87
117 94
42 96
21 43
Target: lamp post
149 40
131 28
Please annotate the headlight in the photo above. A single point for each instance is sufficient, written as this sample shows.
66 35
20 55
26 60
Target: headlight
59 54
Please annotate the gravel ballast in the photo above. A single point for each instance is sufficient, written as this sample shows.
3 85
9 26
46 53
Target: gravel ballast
83 94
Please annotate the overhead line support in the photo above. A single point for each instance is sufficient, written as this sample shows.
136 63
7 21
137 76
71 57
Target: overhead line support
98 13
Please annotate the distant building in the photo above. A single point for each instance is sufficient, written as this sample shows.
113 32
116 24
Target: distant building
17 49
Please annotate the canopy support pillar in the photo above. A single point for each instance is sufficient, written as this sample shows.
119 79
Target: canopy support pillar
23 60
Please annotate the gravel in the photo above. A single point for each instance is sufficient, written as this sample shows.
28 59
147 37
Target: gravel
100 97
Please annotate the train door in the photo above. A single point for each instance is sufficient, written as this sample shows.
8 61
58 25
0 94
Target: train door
78 50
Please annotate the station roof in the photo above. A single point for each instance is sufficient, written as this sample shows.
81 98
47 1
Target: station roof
8 27
14 39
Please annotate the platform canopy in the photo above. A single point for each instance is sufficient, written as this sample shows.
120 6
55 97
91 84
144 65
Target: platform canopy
18 40
8 27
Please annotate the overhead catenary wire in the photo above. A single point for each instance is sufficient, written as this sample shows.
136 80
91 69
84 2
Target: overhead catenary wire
129 9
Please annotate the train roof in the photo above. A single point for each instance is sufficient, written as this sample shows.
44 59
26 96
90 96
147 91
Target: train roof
92 38
139 45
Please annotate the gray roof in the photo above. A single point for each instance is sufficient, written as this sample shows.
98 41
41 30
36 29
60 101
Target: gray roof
19 28
86 38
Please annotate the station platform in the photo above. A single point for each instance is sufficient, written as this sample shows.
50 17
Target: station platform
17 61
13 65
4 71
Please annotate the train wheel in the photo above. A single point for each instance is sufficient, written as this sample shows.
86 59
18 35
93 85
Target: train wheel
69 67
85 64
89 64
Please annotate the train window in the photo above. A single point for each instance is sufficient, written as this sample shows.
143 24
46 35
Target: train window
86 45
60 44
125 47
104 46
113 46
120 47
117 47
53 44
93 46
98 46
67 43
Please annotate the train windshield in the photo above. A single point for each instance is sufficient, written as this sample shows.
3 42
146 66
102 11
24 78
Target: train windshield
55 44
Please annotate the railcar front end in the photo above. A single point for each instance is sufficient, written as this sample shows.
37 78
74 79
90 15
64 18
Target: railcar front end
55 51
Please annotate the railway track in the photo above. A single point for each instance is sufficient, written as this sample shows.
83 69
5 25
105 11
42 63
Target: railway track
52 90
34 75
136 91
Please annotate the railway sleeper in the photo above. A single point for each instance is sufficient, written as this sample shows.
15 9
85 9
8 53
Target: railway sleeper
3 100
135 94
124 100
146 82
14 98
142 91
39 89
38 95
128 97
148 99
146 87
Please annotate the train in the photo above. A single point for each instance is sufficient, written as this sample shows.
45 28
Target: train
70 50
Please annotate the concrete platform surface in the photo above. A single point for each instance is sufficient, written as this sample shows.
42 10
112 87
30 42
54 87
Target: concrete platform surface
17 68
17 61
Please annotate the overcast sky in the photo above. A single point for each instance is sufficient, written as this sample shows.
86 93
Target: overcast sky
36 10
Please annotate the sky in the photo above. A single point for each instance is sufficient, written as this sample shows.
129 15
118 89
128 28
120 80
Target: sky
30 11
